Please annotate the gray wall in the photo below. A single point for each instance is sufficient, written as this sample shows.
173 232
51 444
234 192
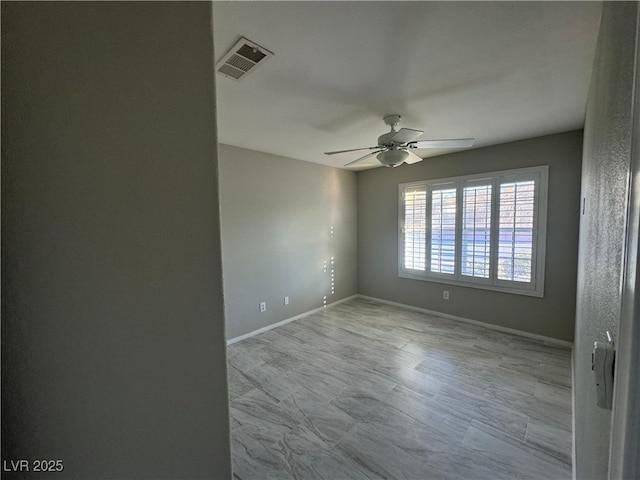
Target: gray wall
624 461
277 215
605 168
113 355
553 315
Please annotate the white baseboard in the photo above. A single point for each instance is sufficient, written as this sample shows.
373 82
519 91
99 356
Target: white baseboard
573 415
549 340
286 320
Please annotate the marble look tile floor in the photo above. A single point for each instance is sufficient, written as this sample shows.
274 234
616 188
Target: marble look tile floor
364 390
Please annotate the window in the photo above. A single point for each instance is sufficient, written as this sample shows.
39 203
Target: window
415 207
476 230
485 231
443 230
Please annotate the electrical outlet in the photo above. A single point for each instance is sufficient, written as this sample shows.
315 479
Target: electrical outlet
263 307
286 300
445 294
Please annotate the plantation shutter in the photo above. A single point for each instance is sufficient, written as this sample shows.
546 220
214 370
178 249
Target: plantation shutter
476 231
415 229
443 230
516 234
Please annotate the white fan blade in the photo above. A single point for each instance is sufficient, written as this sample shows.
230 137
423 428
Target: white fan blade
413 158
362 158
405 135
448 143
352 150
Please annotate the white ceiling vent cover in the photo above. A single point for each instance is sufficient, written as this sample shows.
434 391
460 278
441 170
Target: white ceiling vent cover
242 58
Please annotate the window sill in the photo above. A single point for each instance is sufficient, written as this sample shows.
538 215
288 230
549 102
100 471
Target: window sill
529 292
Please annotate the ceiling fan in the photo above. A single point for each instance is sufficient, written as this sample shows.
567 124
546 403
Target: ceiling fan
394 148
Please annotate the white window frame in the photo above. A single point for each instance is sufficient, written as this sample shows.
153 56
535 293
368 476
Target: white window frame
535 288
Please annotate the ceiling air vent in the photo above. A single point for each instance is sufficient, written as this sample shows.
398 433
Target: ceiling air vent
242 59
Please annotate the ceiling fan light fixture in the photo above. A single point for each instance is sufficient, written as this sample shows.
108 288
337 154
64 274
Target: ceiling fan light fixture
393 148
393 157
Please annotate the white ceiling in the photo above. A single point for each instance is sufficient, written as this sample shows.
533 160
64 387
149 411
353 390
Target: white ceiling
496 71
